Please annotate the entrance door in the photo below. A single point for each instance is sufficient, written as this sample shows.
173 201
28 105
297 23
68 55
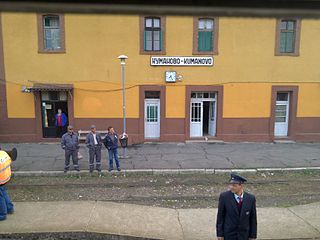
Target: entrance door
152 118
205 118
50 103
282 115
196 110
212 118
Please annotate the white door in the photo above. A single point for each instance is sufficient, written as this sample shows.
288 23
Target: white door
196 109
152 118
282 115
212 118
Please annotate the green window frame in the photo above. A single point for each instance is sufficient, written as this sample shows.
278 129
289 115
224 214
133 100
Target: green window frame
205 34
288 32
287 36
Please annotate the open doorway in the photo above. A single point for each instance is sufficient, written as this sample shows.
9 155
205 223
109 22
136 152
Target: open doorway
205 122
203 114
51 102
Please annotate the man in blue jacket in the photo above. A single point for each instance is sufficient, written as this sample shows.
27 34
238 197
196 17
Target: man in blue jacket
60 122
111 143
237 215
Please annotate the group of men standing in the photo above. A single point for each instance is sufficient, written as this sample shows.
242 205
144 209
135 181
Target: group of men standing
236 217
94 141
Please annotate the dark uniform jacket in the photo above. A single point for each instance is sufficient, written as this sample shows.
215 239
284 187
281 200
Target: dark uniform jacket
111 143
233 225
70 141
90 140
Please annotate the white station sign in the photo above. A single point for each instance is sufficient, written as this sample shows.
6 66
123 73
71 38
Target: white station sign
181 61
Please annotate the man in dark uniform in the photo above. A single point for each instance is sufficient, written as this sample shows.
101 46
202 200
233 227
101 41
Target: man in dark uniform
94 143
70 144
237 216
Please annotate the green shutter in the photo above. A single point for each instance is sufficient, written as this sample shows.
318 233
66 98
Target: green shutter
290 42
282 42
204 41
201 41
287 42
209 41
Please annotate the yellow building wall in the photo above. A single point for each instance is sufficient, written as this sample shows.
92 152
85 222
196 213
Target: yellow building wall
243 100
19 105
309 100
246 100
175 101
93 42
100 100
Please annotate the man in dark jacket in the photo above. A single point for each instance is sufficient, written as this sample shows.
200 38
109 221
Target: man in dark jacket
70 144
94 143
111 143
237 217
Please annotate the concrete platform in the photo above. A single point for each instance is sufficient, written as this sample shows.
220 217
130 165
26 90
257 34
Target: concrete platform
299 222
50 156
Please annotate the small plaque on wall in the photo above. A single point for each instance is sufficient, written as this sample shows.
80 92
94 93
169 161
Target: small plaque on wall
171 76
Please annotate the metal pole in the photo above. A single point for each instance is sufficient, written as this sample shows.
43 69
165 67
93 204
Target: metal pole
124 108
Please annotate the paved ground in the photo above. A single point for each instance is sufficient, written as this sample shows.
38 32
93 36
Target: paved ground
49 157
299 222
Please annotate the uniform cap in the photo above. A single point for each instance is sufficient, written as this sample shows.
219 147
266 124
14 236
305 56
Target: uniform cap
237 179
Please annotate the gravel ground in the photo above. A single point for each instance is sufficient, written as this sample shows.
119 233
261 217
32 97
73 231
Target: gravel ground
281 189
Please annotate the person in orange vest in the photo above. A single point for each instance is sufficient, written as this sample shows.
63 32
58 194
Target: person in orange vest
6 206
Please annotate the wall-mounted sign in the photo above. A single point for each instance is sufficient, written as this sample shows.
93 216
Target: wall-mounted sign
171 76
181 61
48 106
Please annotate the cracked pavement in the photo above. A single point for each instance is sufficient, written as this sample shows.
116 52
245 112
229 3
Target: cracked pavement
298 222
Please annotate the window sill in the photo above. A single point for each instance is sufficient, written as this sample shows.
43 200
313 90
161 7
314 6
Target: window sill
152 53
204 53
288 54
52 51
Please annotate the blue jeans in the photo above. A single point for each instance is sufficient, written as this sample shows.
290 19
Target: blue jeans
113 153
6 206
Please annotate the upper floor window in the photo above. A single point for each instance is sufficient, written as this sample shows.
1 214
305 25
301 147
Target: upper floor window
288 37
205 35
51 33
152 35
51 27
